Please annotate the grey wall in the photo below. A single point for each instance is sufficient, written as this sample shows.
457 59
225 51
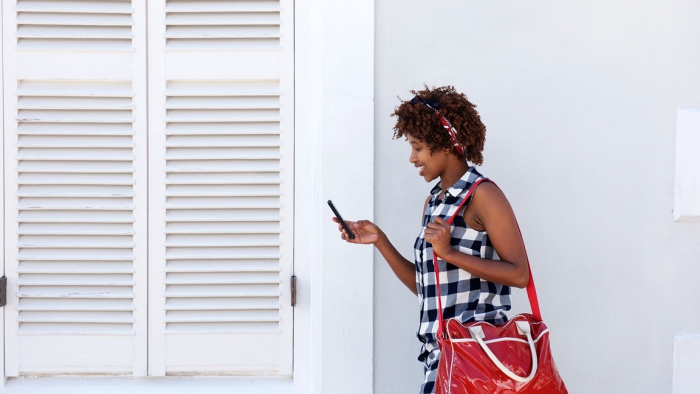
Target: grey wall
579 100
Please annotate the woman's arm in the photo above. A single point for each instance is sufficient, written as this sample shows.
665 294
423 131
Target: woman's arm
490 208
367 232
403 269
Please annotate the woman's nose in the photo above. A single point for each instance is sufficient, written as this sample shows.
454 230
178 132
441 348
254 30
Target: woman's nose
412 158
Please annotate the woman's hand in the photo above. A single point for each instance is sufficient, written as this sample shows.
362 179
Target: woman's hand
365 231
438 233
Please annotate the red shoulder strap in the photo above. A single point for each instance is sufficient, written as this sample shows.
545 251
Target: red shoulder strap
531 291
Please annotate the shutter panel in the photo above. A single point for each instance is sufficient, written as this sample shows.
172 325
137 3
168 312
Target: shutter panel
222 174
222 208
76 199
75 210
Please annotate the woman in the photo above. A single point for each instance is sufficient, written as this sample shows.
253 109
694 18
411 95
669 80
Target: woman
481 254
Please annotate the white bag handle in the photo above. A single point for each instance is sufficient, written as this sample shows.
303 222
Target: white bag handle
523 329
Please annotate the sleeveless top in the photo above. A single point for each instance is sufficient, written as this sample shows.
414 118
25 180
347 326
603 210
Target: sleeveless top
464 296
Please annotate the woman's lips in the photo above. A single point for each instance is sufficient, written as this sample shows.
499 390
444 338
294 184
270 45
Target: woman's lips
421 170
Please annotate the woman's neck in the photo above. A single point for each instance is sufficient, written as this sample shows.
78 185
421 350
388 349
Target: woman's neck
454 172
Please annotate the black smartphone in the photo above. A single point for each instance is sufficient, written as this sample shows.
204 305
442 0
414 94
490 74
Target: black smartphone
340 218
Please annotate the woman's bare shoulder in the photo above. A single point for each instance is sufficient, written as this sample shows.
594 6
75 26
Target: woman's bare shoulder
489 199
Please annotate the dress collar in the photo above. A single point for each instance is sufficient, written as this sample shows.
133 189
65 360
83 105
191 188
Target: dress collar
465 182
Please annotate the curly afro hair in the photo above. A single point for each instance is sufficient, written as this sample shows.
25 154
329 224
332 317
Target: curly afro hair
419 121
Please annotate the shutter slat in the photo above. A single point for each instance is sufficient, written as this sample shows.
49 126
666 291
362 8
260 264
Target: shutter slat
212 292
75 329
70 190
75 195
204 19
202 156
111 6
220 319
57 92
74 317
55 169
42 258
73 271
69 118
224 256
214 129
74 292
205 206
223 328
51 108
68 167
221 282
225 116
223 179
240 264
224 194
69 156
71 217
223 216
229 304
73 19
224 102
219 269
222 6
30 280
54 304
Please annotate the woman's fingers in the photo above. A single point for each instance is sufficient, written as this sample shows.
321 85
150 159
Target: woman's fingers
365 231
438 225
434 230
340 226
344 236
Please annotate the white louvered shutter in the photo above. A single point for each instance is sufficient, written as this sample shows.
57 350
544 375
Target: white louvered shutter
75 186
221 171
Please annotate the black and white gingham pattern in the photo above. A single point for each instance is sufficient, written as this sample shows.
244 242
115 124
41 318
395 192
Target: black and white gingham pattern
464 296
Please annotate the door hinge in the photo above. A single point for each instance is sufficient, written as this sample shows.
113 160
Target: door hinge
3 291
293 287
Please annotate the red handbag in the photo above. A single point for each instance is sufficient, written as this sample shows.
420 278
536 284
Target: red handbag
480 358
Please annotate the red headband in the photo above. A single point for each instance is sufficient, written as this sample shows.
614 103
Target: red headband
445 123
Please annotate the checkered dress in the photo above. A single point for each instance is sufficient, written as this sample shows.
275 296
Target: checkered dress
464 295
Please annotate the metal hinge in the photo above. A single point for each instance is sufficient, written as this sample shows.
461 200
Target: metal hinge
3 291
293 287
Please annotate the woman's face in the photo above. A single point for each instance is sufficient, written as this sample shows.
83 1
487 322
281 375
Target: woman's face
430 167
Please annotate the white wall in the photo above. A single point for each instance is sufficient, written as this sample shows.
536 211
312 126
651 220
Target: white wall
579 100
334 105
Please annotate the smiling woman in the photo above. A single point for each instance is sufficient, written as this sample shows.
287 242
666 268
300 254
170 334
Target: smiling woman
481 252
